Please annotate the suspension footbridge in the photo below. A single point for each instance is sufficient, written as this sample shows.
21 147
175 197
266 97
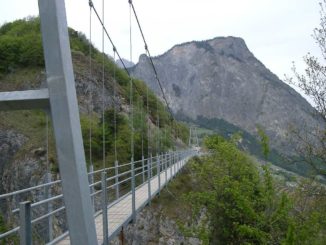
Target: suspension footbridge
90 206
117 194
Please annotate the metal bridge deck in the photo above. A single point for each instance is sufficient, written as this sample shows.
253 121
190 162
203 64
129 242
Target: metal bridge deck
120 212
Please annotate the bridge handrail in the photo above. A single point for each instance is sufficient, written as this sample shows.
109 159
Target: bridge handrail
29 189
155 164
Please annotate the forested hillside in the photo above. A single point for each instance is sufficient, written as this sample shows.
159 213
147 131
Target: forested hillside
22 67
226 197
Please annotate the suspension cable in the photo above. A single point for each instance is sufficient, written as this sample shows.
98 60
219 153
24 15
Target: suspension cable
103 77
115 108
148 126
47 144
90 87
142 126
131 87
91 4
150 58
158 129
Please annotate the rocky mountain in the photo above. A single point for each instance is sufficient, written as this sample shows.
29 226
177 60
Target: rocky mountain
219 82
127 63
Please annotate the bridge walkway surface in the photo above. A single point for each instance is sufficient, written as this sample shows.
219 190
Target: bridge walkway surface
120 212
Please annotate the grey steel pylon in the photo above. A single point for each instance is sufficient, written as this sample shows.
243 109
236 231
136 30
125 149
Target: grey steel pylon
60 97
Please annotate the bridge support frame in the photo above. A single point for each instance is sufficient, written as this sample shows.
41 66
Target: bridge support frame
61 98
66 122
25 223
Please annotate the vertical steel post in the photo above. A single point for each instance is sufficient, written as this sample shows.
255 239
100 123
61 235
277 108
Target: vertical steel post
25 231
179 161
183 158
158 170
171 166
166 167
49 209
151 165
174 164
149 179
104 209
143 167
66 122
189 136
133 190
116 171
91 181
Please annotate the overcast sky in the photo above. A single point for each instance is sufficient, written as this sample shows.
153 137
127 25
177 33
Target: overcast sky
276 31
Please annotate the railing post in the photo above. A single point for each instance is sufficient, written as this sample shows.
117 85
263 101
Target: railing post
149 178
166 167
183 159
116 171
49 208
151 165
104 209
133 190
158 170
91 181
179 162
143 167
170 163
25 223
174 164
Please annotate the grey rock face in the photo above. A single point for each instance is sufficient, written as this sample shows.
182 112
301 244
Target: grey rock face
10 143
127 63
153 227
221 78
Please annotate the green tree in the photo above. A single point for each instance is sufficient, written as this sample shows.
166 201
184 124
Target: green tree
312 146
243 207
264 141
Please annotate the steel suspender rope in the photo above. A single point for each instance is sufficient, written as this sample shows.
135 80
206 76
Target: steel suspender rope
103 86
131 87
103 177
90 105
48 180
142 126
133 189
115 107
158 130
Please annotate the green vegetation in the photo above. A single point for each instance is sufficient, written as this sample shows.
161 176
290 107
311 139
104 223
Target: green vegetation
12 239
230 200
264 141
249 142
21 65
243 207
20 45
312 138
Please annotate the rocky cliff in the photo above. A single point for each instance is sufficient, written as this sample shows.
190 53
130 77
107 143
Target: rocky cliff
221 79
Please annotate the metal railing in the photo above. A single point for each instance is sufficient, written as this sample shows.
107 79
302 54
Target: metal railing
25 209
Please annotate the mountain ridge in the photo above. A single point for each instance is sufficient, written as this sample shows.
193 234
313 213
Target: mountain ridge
220 78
